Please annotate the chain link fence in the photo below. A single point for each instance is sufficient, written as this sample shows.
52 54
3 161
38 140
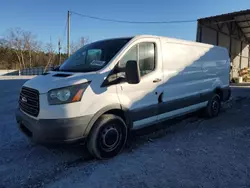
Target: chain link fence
30 71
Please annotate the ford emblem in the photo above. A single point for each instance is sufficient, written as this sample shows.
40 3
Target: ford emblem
24 99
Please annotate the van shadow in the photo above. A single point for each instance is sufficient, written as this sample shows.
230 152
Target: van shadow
150 133
135 139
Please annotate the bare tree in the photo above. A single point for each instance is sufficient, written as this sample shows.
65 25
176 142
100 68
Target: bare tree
22 41
19 49
50 50
15 42
74 46
30 45
3 53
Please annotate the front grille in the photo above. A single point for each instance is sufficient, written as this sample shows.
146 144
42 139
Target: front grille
29 101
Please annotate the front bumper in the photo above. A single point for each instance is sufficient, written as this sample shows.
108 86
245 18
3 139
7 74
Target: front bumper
53 130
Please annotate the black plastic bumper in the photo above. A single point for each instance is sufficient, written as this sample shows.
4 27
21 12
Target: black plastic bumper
53 130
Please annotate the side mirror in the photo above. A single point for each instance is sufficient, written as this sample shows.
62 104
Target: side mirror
132 72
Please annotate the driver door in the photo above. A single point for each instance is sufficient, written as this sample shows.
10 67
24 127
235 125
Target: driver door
142 99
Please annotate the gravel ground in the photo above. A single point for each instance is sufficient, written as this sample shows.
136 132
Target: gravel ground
188 152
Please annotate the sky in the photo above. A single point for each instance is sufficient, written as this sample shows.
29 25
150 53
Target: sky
47 18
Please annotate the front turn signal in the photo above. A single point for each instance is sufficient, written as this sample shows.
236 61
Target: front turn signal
78 96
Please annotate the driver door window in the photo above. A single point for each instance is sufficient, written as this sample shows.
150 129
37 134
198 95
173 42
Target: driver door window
144 54
146 57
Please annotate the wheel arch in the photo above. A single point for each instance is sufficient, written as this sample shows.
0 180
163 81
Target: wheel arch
218 91
115 109
223 91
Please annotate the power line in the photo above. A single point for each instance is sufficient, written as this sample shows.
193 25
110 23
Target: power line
147 22
132 22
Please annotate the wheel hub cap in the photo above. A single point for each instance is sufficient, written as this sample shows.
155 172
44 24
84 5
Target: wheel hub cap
110 137
215 106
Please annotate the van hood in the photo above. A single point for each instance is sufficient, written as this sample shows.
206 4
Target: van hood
52 80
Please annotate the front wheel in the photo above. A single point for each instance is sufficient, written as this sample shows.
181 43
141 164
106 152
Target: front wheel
107 137
213 107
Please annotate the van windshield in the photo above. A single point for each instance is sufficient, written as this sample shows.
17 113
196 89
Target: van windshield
94 56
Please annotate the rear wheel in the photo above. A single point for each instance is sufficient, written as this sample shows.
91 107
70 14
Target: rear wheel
213 106
108 136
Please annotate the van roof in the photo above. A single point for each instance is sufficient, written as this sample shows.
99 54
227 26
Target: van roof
169 39
176 40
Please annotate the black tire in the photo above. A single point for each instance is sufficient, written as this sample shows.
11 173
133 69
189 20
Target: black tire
107 137
213 106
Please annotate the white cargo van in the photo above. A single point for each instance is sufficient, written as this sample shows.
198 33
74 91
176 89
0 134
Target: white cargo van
110 87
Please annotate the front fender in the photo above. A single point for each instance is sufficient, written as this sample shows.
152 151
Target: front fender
98 114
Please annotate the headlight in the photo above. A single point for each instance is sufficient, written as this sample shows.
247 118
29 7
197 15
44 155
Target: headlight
67 94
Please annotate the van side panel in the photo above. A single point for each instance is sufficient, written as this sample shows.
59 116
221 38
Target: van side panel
182 73
191 73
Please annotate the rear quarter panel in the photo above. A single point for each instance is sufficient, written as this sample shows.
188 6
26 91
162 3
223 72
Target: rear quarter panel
216 68
192 68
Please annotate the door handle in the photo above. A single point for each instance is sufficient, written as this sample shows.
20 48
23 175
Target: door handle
156 80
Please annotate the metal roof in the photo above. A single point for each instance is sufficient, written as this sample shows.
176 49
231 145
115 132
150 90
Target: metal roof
241 18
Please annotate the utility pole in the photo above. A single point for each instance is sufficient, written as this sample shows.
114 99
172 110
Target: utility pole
68 35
